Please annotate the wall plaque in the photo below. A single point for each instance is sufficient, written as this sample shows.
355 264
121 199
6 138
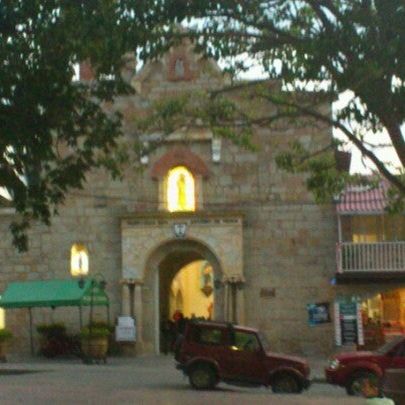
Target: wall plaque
267 292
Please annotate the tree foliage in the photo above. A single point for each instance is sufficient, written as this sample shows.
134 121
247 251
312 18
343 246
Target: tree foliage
53 129
349 45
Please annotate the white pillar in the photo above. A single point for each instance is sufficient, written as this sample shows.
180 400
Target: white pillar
138 312
126 308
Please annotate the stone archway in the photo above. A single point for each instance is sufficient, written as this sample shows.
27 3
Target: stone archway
169 258
150 238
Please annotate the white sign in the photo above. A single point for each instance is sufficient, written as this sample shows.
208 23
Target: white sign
125 331
126 321
124 334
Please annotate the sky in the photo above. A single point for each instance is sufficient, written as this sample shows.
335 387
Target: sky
358 164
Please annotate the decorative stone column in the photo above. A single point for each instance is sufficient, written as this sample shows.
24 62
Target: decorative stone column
234 299
125 298
227 302
132 307
138 312
240 305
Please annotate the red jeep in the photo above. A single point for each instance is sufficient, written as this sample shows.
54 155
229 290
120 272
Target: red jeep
210 352
351 370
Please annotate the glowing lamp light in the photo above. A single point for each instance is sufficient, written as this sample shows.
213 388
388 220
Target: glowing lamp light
180 190
2 320
79 260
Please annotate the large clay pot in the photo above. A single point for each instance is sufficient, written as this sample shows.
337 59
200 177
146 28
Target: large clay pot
394 385
95 347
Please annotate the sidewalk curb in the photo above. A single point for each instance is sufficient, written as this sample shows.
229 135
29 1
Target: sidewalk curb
11 371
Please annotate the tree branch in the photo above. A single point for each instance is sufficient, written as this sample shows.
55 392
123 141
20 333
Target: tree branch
392 178
395 134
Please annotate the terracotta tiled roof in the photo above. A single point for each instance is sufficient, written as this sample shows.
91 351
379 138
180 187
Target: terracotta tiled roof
363 199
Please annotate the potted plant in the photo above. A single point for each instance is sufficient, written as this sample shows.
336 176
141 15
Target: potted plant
5 336
52 339
94 341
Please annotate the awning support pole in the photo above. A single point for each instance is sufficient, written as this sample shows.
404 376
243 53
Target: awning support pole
80 317
31 337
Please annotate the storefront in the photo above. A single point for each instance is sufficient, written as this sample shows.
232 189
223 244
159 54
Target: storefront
383 315
369 321
371 263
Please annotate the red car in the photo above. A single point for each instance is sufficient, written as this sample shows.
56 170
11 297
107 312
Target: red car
351 370
211 352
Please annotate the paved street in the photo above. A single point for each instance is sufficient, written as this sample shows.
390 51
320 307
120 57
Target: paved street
141 380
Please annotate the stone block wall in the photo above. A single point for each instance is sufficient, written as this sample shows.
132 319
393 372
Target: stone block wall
288 240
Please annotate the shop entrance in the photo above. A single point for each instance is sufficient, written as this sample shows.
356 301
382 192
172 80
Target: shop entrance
383 317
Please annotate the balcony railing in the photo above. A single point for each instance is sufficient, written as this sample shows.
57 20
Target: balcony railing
371 257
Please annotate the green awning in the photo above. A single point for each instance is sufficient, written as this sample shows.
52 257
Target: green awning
52 293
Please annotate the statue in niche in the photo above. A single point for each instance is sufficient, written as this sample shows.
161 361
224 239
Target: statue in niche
207 280
179 68
181 192
80 261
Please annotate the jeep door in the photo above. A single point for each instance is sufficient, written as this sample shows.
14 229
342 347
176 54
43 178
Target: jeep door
208 342
245 358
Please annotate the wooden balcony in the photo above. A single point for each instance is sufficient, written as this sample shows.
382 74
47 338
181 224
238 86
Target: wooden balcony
380 260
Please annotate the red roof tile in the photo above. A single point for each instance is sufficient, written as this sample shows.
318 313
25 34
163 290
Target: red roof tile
363 199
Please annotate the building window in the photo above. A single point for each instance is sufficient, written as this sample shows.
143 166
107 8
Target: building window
180 190
79 260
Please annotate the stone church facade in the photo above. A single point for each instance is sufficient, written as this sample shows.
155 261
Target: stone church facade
271 247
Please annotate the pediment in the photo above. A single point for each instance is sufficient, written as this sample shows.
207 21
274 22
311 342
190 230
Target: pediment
179 69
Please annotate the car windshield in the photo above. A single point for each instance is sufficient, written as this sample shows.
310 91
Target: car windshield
264 342
384 349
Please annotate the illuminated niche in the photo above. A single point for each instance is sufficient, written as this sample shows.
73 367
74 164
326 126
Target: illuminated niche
180 190
79 260
2 319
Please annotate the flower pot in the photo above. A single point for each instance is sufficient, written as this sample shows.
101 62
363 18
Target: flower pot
95 347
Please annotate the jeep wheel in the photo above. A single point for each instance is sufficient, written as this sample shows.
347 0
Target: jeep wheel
361 381
202 377
285 383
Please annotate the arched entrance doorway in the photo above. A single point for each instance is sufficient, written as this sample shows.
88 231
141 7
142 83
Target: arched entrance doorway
185 292
181 275
190 292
